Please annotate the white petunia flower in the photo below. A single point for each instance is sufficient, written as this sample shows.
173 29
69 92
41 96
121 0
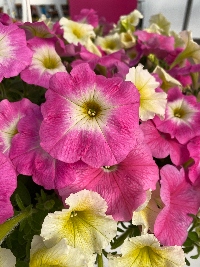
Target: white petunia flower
84 225
151 102
145 251
75 32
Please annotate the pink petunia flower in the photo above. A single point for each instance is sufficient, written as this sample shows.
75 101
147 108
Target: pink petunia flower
194 148
30 159
180 199
88 16
8 181
13 47
10 115
123 185
45 63
162 145
154 43
182 116
89 117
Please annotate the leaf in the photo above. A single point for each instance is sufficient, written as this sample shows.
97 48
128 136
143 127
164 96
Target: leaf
7 227
193 236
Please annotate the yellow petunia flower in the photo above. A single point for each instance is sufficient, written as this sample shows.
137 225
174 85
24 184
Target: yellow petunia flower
59 255
75 32
145 251
84 225
151 102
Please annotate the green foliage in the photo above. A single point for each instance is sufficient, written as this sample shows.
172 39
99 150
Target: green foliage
43 202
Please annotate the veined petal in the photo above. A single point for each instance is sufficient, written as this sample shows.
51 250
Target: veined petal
82 225
145 250
59 255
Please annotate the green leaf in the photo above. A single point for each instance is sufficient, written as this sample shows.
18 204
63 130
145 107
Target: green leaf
187 262
193 236
7 227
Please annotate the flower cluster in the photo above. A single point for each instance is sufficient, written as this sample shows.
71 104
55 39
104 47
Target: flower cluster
108 117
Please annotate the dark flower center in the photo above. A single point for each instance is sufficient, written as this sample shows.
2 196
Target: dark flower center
92 108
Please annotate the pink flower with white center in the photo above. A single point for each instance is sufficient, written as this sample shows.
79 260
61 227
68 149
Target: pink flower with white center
30 159
10 115
8 181
89 117
45 63
182 116
162 145
123 185
180 200
14 53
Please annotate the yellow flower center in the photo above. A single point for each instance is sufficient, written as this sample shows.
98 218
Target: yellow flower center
110 168
179 113
50 62
92 108
78 32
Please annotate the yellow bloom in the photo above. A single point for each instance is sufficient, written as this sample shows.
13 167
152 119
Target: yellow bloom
84 224
145 251
161 22
147 213
7 258
75 32
167 80
191 51
59 255
131 20
109 43
151 102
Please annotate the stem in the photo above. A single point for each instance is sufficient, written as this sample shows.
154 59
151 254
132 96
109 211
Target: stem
100 260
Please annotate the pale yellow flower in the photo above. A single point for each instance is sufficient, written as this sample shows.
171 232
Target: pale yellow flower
75 32
84 225
110 43
162 23
146 214
145 251
59 255
7 258
167 80
127 39
131 20
151 102
191 51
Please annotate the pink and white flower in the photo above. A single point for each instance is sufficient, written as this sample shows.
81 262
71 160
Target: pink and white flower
8 181
13 47
89 117
182 116
45 63
123 185
30 159
10 115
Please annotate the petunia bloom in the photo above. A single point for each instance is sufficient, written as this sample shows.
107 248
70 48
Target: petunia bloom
45 63
30 159
162 145
84 225
145 250
182 116
89 117
8 181
59 255
10 115
180 200
13 47
75 32
151 102
123 185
